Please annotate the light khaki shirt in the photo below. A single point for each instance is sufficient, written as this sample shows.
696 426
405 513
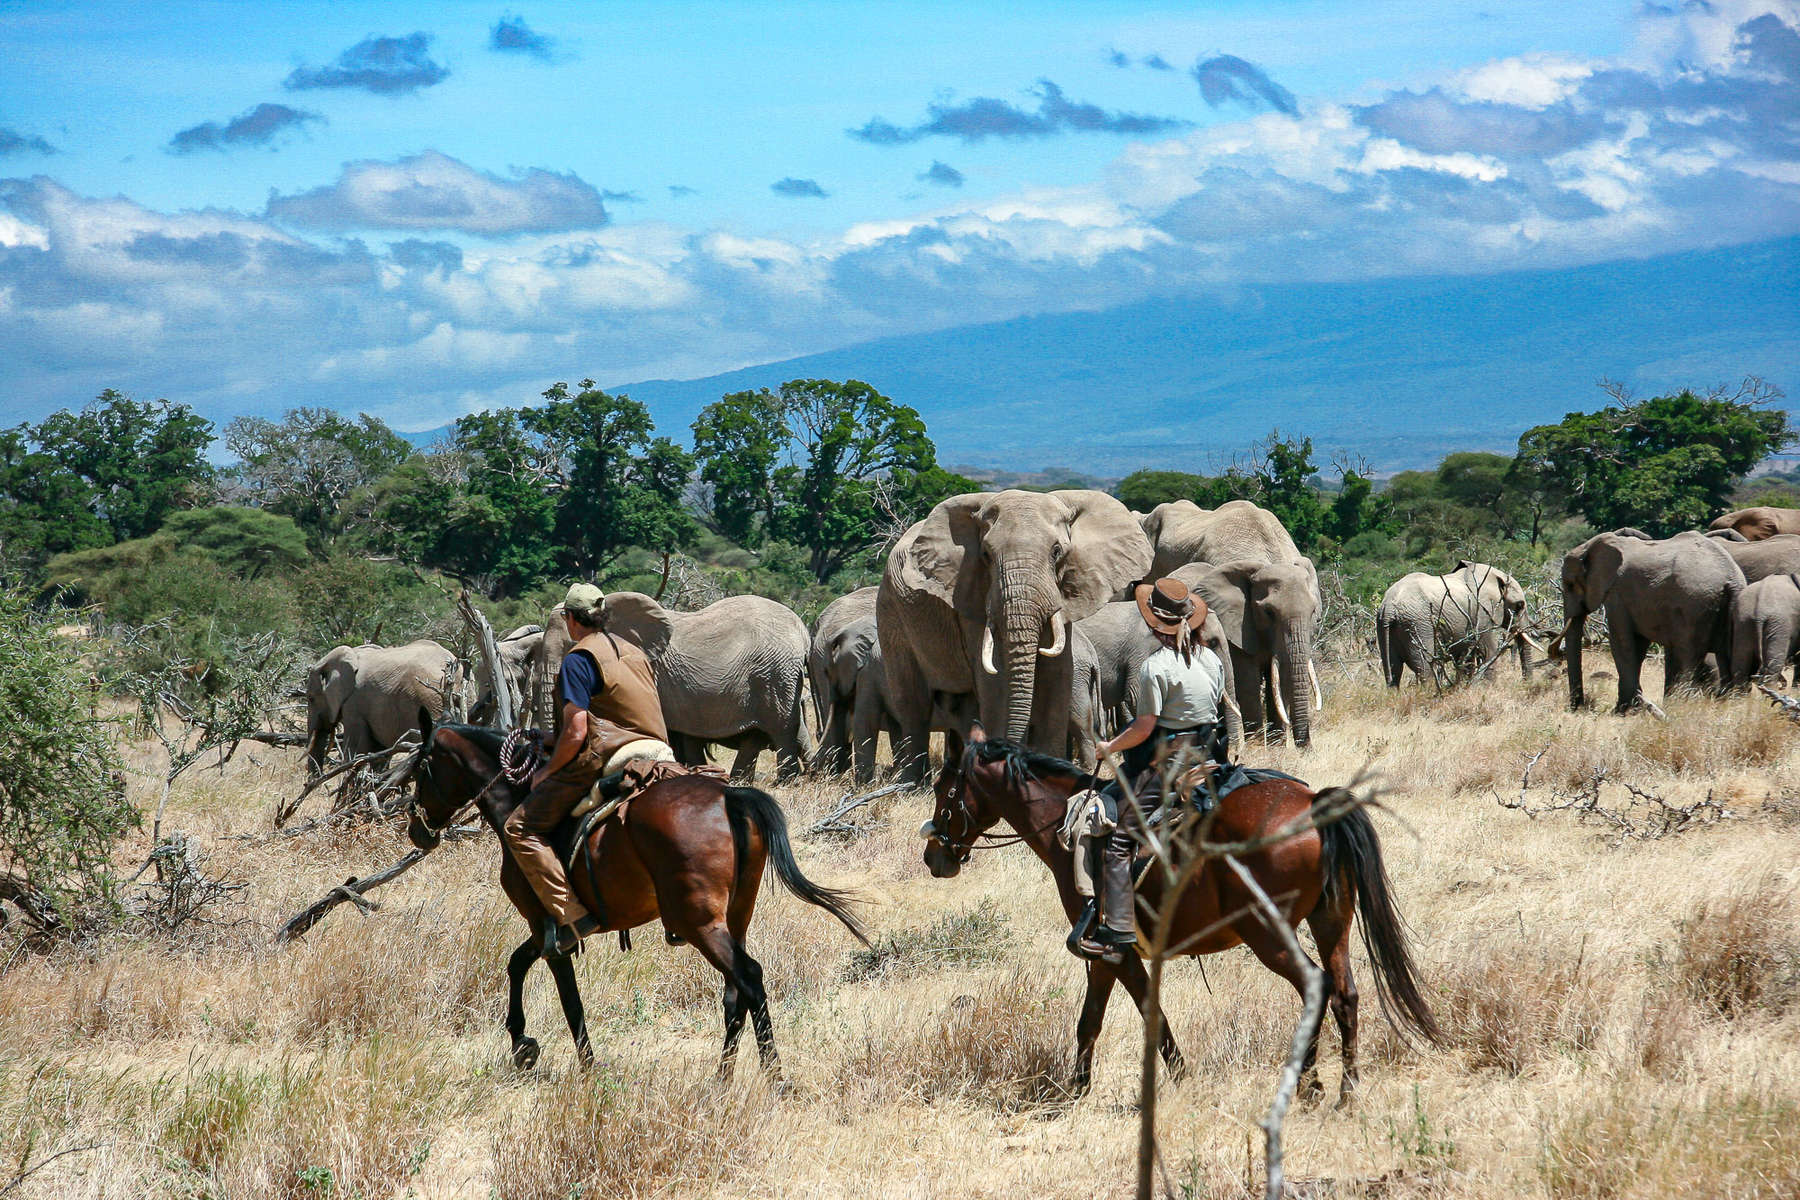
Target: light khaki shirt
1181 695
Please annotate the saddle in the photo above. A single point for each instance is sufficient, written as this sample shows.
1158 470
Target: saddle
634 768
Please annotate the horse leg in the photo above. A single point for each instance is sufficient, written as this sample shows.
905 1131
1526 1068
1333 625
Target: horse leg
524 1049
563 971
1131 973
1100 980
1270 951
1331 930
744 994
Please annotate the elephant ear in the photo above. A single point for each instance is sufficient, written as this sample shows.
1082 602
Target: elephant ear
1226 590
1107 550
932 553
337 677
640 619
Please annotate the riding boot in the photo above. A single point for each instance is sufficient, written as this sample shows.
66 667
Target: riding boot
1118 905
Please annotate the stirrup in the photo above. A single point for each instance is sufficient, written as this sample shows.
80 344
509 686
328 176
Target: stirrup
1083 922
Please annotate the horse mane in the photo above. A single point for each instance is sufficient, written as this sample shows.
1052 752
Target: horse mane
486 739
1023 763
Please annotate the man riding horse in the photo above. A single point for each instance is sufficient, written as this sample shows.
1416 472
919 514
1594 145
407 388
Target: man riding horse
611 716
1179 691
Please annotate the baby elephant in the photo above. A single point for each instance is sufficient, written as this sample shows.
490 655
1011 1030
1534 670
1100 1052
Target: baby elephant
1464 617
1765 629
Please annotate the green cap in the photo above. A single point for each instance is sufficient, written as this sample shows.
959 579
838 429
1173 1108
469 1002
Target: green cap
584 597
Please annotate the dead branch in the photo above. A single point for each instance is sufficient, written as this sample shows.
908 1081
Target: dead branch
833 821
505 719
351 890
22 1176
405 746
1643 817
1790 707
1304 1033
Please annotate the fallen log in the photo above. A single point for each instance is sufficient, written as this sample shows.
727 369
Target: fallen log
350 891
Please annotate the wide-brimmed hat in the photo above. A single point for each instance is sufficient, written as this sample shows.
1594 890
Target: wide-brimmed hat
1168 604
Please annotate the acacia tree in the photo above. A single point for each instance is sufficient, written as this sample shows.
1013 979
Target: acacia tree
307 465
805 463
140 460
1662 465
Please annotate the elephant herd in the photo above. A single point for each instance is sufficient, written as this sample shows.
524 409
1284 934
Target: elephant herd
1012 608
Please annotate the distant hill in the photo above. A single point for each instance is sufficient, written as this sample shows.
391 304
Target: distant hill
1398 371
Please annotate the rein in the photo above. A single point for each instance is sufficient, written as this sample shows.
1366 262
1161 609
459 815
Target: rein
519 757
959 807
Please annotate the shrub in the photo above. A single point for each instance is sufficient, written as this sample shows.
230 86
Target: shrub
62 790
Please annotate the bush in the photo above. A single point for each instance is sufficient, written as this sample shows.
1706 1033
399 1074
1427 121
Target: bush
62 791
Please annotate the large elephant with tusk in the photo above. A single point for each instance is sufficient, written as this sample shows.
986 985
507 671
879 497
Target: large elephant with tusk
976 603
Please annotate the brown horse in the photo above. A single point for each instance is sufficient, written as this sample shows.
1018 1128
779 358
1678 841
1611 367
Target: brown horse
1325 875
689 850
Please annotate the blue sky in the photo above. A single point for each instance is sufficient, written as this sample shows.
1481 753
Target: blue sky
424 209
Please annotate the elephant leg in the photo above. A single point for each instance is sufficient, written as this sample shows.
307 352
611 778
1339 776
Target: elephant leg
1387 645
910 697
1249 678
1418 647
834 739
1628 651
865 726
750 745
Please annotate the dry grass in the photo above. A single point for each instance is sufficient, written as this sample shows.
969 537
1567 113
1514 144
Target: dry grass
1622 1018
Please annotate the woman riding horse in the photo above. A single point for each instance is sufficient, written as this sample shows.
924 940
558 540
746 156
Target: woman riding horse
1327 873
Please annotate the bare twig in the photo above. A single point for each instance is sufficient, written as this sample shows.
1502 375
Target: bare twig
22 1176
1304 1033
1643 817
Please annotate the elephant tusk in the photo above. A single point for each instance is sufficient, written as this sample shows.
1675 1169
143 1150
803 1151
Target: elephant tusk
1059 639
1318 696
987 650
1275 691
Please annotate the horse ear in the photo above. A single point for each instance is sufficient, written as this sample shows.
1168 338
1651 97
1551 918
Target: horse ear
977 733
424 726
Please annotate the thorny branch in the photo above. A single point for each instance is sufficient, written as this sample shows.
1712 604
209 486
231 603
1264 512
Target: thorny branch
1643 816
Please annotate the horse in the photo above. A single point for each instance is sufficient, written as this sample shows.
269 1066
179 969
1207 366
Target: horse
1327 874
690 850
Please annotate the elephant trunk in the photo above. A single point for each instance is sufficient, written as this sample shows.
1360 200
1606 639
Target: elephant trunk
1295 658
318 743
1022 616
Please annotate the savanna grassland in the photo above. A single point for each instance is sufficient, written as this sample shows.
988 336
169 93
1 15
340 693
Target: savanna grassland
1622 1015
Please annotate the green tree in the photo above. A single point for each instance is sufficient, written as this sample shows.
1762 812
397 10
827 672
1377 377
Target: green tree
738 442
836 446
1286 471
62 786
45 508
141 460
1144 490
307 465
1664 464
247 540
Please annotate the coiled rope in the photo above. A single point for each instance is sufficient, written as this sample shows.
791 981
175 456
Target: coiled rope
518 756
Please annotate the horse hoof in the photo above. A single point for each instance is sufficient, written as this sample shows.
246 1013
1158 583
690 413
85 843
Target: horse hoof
525 1054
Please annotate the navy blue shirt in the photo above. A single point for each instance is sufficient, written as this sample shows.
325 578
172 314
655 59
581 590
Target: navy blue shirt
577 679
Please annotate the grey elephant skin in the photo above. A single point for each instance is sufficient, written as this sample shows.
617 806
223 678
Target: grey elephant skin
1756 524
733 673
1677 593
1271 591
374 693
1465 616
849 685
1765 629
1122 642
975 606
1778 555
518 656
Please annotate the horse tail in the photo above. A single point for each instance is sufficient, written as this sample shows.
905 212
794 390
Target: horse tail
1352 853
758 808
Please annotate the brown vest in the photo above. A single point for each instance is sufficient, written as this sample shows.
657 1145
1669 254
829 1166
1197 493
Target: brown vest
624 707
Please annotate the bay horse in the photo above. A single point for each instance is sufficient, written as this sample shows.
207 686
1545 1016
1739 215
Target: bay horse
689 850
1325 875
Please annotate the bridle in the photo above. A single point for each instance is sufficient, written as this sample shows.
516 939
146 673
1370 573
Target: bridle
518 759
956 807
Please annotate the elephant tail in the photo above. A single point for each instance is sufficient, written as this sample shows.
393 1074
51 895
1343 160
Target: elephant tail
745 806
1384 640
805 699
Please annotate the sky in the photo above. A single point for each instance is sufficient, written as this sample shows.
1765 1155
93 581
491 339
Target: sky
419 210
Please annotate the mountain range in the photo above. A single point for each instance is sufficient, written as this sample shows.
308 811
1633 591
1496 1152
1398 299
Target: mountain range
1396 372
